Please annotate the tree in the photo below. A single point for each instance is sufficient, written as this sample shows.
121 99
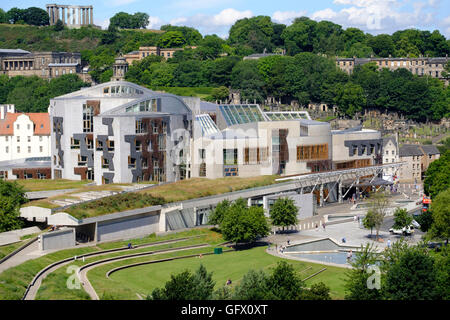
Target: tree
59 25
437 176
299 36
317 291
284 212
192 36
411 277
425 220
172 39
36 16
242 224
369 220
350 98
382 45
110 36
125 20
253 286
16 15
186 286
3 16
378 204
440 227
221 93
255 33
357 278
401 219
284 283
12 196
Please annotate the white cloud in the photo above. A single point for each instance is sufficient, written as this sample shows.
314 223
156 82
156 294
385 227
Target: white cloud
155 23
380 15
117 3
104 24
286 17
218 23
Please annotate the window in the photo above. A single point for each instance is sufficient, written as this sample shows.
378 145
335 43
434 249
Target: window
131 162
155 128
29 139
41 149
202 170
99 145
7 150
18 139
105 163
230 156
140 126
164 127
144 163
40 138
393 152
201 153
18 127
110 144
138 145
354 150
387 152
161 142
18 149
74 143
393 160
29 149
89 143
255 155
82 160
318 152
28 126
88 114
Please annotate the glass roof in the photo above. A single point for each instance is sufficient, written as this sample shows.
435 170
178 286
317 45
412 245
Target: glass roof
241 113
207 124
287 115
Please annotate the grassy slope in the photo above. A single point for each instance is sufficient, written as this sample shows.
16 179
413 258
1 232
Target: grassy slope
202 187
5 250
49 184
143 279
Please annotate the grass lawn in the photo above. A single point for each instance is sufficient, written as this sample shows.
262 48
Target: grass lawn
126 283
50 184
7 249
202 187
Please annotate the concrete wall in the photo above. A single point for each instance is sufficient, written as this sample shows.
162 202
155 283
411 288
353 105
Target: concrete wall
127 228
304 203
61 239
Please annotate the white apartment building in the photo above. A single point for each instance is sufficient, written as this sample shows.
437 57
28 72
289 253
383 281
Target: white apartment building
390 155
23 135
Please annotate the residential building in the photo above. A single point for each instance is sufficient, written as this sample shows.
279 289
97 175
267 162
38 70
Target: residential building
143 52
23 135
390 155
417 158
429 66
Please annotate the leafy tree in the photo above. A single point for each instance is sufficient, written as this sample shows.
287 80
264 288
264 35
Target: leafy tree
382 45
369 220
125 20
245 76
401 219
220 93
442 266
440 228
253 286
378 204
255 33
317 291
437 176
285 283
172 39
222 293
357 277
284 212
242 224
210 47
110 36
3 16
425 220
190 35
16 15
350 98
36 16
59 25
12 196
299 36
186 286
189 74
411 277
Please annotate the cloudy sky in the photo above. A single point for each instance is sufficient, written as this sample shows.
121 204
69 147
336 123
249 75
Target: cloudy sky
216 16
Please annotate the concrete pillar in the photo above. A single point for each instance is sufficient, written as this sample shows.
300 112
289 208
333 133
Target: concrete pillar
340 199
79 15
265 203
91 20
321 194
63 13
83 14
249 202
57 14
73 16
357 189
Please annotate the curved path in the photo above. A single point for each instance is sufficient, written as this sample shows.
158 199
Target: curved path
35 284
82 271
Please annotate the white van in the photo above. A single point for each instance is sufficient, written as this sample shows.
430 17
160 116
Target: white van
404 231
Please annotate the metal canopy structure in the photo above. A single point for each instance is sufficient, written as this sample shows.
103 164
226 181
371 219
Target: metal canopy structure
337 177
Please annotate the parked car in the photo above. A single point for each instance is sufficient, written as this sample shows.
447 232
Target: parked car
406 231
415 224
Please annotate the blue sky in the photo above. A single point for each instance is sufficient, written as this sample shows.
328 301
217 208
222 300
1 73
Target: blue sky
216 16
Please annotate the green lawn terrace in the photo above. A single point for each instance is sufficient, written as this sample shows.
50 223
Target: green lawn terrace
157 195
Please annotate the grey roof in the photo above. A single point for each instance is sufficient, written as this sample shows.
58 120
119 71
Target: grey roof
63 64
430 149
313 122
408 150
26 163
207 106
14 51
387 139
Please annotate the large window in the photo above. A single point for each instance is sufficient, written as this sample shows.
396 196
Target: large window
88 121
74 143
230 156
312 152
140 127
255 155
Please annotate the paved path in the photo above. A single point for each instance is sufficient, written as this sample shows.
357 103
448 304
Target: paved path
30 252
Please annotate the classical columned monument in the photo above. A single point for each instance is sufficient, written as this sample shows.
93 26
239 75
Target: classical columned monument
71 16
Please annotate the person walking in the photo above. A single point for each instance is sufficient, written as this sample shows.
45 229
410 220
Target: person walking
389 243
323 226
